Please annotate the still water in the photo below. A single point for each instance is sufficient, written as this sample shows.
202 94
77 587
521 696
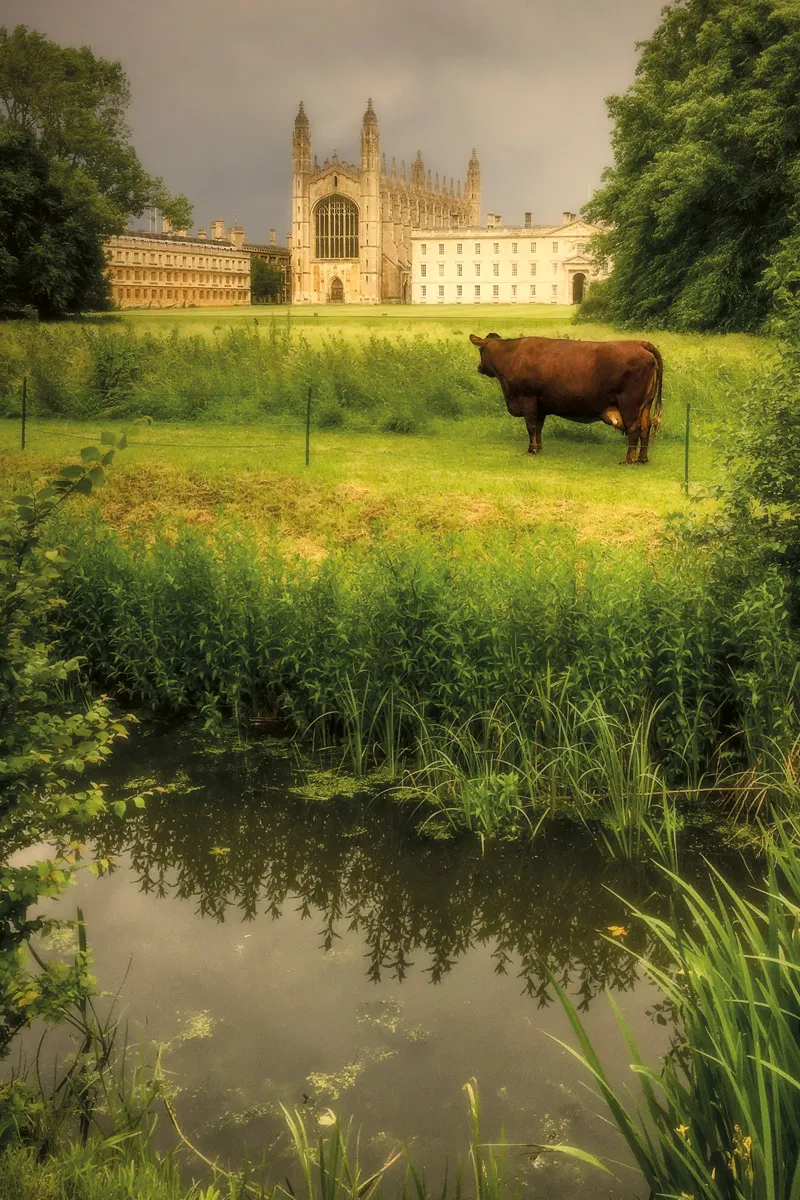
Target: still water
319 953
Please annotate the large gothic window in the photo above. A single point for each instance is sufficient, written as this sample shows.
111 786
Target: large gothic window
336 220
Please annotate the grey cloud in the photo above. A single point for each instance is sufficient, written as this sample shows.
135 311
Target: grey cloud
216 87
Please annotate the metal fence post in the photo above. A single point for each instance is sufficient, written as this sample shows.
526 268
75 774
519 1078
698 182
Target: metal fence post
686 451
24 406
308 426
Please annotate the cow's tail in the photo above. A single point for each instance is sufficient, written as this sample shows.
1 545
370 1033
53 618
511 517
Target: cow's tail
655 411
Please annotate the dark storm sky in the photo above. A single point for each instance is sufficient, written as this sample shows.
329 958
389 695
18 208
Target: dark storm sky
216 88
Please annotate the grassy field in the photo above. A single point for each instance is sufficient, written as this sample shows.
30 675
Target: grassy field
406 439
469 478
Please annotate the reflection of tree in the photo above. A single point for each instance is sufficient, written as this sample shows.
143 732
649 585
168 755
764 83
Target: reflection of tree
543 910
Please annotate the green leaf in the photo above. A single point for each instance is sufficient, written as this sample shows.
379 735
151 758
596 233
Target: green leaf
84 487
71 472
90 454
97 476
119 807
108 439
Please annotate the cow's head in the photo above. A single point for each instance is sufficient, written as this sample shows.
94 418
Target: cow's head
485 367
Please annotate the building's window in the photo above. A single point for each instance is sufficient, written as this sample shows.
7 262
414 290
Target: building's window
127 293
459 247
555 289
477 289
136 256
513 289
441 289
477 268
495 289
423 249
459 290
137 292
459 268
555 247
513 247
336 224
441 247
513 268
533 247
441 268
423 269
581 247
495 268
424 290
477 247
495 247
533 289
533 268
555 268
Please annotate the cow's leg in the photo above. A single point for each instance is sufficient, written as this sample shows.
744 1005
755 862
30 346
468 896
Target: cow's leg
644 435
633 444
534 421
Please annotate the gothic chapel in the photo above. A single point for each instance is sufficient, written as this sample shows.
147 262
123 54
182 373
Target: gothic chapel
351 226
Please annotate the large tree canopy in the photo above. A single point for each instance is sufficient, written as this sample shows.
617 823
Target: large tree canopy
74 105
69 176
703 198
51 251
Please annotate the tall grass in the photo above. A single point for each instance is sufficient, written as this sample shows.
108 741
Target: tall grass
532 674
241 374
244 372
721 1119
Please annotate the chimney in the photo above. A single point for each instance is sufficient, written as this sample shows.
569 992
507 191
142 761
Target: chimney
166 224
236 234
182 233
289 241
567 218
201 235
528 220
218 230
272 241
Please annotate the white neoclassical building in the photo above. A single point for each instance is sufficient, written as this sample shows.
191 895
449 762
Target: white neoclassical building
529 264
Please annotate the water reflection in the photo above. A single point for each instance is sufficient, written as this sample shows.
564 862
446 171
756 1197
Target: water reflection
303 937
232 837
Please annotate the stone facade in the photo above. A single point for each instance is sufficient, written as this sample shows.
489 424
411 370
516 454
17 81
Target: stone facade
276 256
172 270
352 225
496 264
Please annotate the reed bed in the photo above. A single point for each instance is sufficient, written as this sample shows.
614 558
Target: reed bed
529 678
720 1118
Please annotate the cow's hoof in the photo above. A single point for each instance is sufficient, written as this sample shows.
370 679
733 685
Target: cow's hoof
532 451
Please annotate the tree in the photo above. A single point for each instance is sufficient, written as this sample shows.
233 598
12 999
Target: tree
266 281
65 108
703 199
51 254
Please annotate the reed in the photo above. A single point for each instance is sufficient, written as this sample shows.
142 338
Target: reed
503 685
719 1119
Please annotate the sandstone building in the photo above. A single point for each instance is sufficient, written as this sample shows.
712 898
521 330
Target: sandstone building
352 225
172 270
496 264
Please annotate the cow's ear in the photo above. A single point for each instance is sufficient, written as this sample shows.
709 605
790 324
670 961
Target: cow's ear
477 341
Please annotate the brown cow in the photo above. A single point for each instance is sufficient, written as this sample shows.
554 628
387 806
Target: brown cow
615 382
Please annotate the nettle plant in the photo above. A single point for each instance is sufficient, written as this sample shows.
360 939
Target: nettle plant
51 736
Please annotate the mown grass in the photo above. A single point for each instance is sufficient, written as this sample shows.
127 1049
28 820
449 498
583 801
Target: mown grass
472 478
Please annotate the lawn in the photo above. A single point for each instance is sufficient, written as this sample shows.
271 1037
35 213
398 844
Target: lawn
230 440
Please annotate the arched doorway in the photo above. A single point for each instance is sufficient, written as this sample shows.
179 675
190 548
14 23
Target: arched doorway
336 294
578 287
